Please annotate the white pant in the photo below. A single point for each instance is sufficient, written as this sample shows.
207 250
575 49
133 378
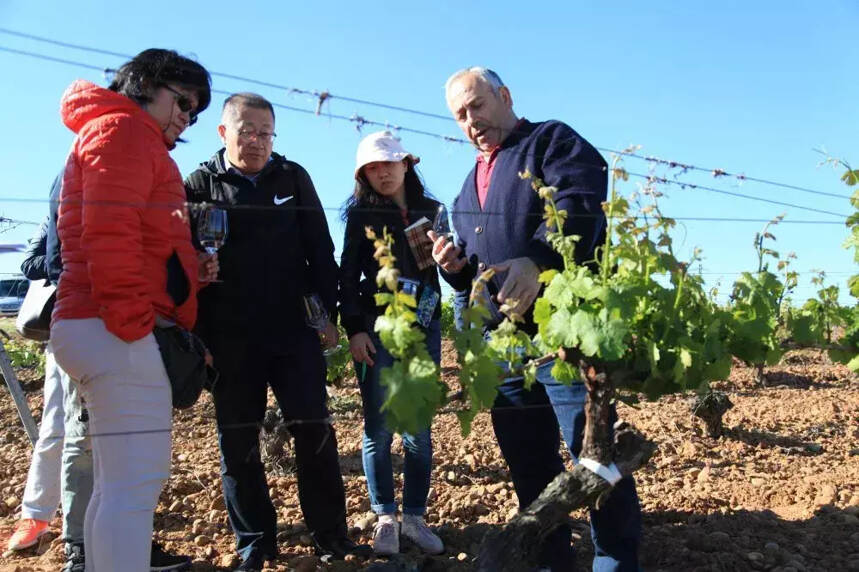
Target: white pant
42 492
128 398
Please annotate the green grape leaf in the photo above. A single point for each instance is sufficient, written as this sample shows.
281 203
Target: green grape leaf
565 372
773 356
487 377
542 310
407 299
685 357
719 368
851 177
411 400
465 418
559 291
583 333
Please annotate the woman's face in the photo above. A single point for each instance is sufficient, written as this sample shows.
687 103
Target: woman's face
387 177
166 107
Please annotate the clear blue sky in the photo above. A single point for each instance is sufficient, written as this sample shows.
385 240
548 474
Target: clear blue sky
748 87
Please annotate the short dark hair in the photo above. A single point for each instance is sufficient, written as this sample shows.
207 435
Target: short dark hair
249 99
151 68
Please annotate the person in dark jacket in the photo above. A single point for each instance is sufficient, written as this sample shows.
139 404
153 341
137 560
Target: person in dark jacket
498 219
388 194
61 466
278 250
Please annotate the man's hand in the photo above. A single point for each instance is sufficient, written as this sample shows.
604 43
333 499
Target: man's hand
207 266
521 283
361 347
329 336
446 254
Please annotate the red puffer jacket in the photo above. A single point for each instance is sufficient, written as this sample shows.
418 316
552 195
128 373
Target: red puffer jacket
122 218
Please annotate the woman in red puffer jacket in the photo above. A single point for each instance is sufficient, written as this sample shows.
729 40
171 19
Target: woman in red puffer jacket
128 262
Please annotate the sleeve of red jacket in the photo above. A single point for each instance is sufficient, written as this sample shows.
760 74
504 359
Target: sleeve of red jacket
117 183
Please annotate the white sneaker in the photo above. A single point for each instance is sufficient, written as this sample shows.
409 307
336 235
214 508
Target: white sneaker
386 535
415 529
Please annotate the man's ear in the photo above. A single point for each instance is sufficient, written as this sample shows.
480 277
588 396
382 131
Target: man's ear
504 92
222 130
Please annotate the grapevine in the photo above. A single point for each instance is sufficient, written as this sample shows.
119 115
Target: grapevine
632 318
756 300
414 388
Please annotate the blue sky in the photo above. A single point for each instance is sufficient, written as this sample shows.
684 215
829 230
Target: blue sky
748 87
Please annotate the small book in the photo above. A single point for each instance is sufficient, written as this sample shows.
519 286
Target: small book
419 242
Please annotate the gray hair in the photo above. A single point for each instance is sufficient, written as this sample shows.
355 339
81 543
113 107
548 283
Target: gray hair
245 98
485 74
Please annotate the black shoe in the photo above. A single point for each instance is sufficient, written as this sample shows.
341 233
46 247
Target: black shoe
161 561
74 558
337 547
252 563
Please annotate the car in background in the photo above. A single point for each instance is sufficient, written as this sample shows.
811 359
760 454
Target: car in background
12 292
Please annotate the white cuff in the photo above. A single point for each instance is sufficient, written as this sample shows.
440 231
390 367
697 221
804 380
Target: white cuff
609 474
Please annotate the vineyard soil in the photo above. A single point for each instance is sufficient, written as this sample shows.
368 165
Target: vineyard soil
778 491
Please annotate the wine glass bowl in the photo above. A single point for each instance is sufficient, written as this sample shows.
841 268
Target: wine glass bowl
315 314
441 223
212 229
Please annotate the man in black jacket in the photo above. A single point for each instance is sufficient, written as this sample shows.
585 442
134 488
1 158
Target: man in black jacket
277 251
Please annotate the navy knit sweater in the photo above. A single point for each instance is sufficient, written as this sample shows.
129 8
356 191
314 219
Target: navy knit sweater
511 225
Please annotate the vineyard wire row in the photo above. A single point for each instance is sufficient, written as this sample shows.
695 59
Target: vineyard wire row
325 95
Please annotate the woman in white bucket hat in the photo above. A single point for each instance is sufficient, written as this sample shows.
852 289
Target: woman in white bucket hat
388 193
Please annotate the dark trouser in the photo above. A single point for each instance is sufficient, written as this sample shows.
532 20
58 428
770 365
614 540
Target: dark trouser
529 439
297 377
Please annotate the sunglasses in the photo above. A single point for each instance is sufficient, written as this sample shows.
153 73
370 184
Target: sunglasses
183 102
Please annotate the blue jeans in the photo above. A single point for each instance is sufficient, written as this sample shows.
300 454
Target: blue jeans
376 452
528 426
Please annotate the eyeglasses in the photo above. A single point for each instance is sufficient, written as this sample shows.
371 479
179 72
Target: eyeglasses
184 103
250 135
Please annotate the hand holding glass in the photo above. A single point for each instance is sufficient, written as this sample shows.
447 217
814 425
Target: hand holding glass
316 316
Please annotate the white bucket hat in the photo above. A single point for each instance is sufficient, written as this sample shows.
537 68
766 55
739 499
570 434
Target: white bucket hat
380 146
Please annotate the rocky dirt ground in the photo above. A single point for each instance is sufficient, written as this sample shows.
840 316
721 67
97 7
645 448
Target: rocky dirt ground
779 491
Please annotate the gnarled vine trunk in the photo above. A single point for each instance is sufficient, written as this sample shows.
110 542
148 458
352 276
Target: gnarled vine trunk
516 546
710 408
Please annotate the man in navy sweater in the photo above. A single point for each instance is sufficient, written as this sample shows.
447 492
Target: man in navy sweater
498 219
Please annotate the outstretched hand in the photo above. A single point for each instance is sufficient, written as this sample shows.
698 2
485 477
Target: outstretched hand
521 284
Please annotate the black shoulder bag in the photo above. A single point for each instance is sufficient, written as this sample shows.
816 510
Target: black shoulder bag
184 357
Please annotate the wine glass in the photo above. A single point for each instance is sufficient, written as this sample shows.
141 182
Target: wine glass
316 316
212 229
441 223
